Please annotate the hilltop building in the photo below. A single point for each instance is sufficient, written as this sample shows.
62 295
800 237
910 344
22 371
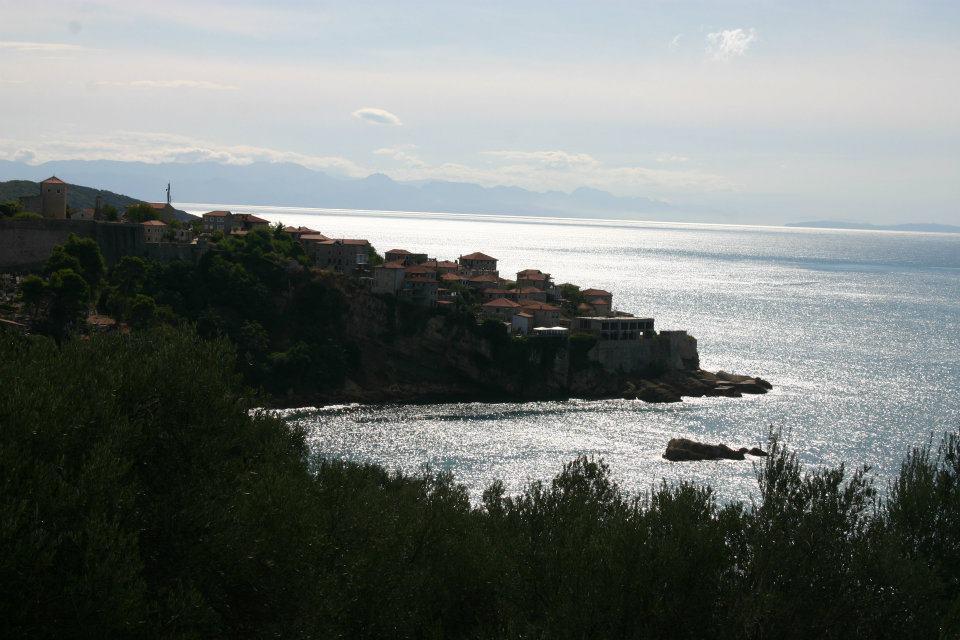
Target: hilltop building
52 201
478 264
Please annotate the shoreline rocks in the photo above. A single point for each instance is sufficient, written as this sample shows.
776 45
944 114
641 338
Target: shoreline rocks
685 450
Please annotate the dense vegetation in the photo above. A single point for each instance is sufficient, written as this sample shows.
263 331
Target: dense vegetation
140 498
287 322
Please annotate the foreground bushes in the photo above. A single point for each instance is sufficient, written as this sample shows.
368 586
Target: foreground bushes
138 498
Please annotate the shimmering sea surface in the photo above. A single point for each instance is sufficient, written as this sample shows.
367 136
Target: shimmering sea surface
859 332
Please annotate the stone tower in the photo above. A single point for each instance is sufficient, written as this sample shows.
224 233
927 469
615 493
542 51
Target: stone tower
53 198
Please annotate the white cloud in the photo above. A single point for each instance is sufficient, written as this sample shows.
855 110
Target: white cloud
672 159
377 116
401 153
24 155
729 44
154 147
40 47
547 159
168 84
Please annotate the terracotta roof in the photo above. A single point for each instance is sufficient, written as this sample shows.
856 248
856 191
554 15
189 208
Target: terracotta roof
402 252
53 180
450 277
484 278
217 214
100 320
596 292
314 237
477 256
347 241
393 265
596 301
249 217
498 292
540 306
448 264
531 276
154 223
529 290
419 268
527 272
501 302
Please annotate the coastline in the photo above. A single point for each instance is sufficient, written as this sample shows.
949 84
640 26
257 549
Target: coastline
667 388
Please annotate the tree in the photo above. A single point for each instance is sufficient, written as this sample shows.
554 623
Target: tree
69 302
87 252
129 275
33 291
140 212
109 213
10 208
142 310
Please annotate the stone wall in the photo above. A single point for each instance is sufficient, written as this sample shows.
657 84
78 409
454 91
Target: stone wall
26 244
667 350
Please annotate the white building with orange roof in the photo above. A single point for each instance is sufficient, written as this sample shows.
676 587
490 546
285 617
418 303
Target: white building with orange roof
544 315
499 309
388 277
406 257
340 255
478 263
153 230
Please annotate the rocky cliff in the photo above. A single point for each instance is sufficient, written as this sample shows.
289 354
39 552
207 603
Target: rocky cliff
409 354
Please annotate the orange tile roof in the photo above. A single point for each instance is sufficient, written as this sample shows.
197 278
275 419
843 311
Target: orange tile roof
447 264
540 306
450 277
529 290
596 301
501 302
484 278
394 265
527 272
532 276
217 214
53 180
402 252
314 237
154 223
477 256
596 292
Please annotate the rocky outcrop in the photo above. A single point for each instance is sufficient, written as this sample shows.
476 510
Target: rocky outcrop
673 386
684 450
408 354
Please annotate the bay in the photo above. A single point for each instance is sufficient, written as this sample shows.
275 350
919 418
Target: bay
859 332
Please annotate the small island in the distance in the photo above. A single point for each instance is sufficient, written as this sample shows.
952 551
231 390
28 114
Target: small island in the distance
917 227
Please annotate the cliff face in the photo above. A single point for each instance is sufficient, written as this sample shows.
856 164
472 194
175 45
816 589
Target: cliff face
409 354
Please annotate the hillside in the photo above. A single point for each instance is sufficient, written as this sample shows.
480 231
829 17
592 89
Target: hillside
78 196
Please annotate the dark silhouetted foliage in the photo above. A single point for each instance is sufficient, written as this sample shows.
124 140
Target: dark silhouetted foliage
140 497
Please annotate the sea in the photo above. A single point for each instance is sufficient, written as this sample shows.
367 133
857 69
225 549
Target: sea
858 331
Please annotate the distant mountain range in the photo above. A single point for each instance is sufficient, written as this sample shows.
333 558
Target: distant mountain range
929 227
287 184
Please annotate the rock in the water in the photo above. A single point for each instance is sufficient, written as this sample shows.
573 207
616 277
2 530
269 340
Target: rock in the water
683 450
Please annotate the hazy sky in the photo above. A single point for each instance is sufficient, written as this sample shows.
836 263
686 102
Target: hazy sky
799 110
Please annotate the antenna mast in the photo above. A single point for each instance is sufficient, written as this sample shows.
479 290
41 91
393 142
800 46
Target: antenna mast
168 193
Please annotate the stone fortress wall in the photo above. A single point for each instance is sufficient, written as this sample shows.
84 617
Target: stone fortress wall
25 244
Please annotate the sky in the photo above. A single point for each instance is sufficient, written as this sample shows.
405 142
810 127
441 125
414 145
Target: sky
780 110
